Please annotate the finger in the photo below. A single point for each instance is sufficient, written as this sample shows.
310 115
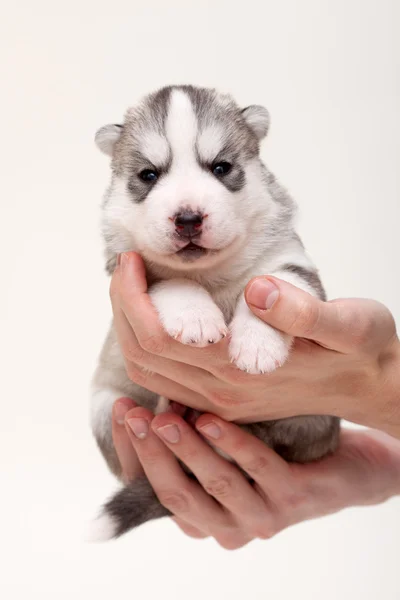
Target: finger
130 464
271 473
220 478
193 378
189 529
130 285
341 325
170 389
156 373
175 490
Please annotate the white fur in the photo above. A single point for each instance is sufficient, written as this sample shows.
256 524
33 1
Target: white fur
154 147
163 405
188 313
209 143
101 529
181 130
102 400
185 186
248 234
256 347
295 280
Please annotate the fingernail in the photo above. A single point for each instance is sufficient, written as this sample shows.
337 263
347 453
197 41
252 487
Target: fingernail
211 430
262 294
120 410
140 427
123 259
170 433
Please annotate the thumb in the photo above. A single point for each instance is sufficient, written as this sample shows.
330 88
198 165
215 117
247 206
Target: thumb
341 325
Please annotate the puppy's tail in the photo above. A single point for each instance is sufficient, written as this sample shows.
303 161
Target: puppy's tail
132 506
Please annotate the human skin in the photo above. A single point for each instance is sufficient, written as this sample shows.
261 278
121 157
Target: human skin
345 362
222 503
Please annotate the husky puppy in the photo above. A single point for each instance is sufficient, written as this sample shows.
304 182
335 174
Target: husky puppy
190 193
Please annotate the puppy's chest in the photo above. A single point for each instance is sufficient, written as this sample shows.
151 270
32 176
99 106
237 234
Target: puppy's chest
226 298
225 295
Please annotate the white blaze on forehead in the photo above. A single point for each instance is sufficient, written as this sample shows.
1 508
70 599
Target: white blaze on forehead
181 128
155 148
210 142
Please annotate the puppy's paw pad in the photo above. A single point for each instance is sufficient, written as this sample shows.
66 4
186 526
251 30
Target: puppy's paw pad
258 348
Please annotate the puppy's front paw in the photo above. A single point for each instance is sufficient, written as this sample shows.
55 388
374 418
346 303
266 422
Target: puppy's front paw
196 326
256 347
190 315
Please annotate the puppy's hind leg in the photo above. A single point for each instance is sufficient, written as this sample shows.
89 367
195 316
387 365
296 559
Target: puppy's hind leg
102 401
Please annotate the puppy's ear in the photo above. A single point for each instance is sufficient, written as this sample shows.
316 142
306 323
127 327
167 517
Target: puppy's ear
106 137
257 118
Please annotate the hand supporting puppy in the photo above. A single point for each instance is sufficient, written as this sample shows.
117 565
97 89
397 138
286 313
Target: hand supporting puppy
345 360
223 504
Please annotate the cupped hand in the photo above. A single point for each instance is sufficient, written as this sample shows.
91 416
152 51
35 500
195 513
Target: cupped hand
223 503
345 360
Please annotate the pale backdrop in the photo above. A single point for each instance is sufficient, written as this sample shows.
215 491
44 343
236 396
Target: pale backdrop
329 73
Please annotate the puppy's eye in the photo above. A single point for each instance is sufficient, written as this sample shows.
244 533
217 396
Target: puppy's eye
148 175
221 168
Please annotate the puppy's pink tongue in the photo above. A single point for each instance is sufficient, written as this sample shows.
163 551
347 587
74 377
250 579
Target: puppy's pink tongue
177 408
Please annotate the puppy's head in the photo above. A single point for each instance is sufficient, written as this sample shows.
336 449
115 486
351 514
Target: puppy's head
187 187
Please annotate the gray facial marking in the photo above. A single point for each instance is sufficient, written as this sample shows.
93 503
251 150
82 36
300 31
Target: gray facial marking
239 142
149 116
235 180
138 188
210 108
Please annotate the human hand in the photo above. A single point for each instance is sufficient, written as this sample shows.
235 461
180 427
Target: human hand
131 467
223 503
345 360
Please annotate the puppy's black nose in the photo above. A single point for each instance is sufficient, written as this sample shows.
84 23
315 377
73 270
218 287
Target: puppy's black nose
188 224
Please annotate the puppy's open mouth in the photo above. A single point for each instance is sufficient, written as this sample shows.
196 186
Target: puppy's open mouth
192 251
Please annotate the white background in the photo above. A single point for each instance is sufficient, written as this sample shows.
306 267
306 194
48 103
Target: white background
329 73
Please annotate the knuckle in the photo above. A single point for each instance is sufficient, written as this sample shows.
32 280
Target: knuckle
135 374
293 500
231 542
188 453
132 351
178 502
265 532
306 318
231 374
221 398
155 344
365 323
149 457
219 488
362 331
258 466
